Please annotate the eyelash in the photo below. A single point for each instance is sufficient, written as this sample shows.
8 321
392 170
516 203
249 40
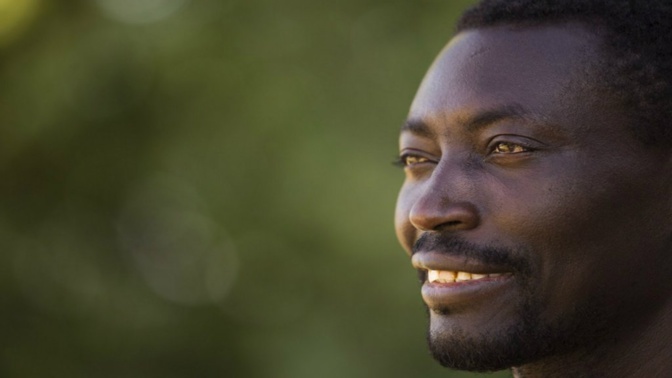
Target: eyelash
512 145
402 161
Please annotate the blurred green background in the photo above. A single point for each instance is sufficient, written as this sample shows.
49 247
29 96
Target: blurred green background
203 188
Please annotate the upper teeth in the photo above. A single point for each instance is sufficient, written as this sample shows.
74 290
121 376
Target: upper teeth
444 276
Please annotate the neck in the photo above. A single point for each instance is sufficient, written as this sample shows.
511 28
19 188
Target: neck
641 350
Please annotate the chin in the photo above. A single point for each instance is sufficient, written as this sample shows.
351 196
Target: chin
486 350
479 353
521 339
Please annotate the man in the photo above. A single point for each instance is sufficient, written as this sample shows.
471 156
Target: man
537 201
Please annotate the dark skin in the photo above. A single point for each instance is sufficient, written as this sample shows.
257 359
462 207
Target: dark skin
564 218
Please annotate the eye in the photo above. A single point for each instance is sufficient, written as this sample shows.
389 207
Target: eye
509 148
409 160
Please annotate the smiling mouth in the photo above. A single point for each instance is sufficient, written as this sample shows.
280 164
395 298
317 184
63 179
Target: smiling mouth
447 276
443 289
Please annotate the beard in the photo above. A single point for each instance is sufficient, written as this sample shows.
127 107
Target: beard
528 338
527 341
518 344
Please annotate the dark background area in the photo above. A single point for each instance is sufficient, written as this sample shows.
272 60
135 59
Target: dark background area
203 188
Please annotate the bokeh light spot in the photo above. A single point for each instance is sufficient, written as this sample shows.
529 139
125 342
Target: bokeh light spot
183 255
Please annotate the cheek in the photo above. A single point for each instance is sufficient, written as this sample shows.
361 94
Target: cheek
527 211
558 202
588 237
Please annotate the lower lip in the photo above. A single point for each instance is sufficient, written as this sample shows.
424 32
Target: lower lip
441 295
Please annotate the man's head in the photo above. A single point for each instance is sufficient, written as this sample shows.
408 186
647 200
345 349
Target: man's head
538 165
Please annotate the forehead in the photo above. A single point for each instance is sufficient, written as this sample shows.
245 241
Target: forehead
544 71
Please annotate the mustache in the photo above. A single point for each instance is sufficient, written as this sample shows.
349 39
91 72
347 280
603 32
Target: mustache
452 245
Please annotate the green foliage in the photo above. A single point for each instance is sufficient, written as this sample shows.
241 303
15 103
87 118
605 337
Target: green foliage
204 188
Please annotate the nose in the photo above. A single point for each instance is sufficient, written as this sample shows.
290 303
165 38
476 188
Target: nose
437 210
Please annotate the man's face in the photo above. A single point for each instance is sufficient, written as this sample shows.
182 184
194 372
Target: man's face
539 225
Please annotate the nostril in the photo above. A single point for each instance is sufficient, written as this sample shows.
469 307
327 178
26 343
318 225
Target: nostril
451 224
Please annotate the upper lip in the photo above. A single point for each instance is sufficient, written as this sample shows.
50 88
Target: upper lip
442 261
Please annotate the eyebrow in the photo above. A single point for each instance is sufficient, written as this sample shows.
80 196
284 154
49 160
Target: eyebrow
473 123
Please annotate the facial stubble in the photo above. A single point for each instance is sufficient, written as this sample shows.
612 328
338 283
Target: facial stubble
529 337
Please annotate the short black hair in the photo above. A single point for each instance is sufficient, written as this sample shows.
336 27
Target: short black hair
637 37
